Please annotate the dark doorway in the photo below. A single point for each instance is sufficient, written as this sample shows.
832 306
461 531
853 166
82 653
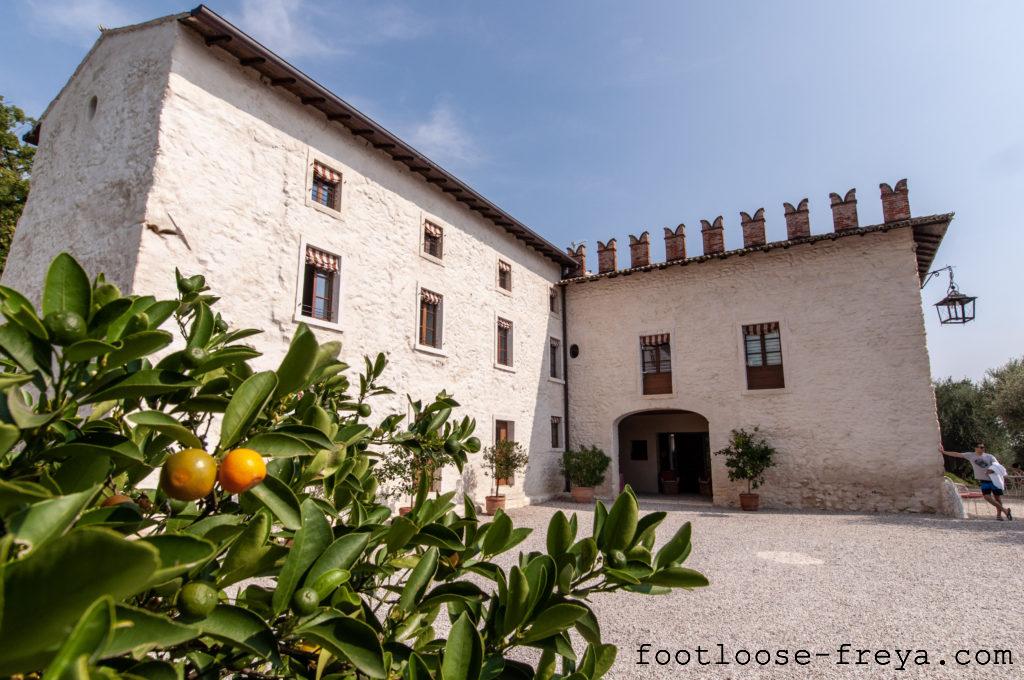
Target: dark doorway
665 452
684 463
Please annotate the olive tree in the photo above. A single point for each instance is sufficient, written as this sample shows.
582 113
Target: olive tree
307 573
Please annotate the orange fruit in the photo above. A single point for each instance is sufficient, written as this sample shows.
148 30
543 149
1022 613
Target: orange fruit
116 499
188 475
241 470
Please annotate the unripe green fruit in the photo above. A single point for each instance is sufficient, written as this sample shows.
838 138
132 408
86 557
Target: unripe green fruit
364 410
104 293
193 356
197 599
65 328
452 445
305 601
138 323
472 444
616 559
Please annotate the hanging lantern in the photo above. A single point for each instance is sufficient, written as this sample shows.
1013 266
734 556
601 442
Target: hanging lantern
955 308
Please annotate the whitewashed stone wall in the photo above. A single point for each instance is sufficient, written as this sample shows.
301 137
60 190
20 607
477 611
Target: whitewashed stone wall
230 166
855 425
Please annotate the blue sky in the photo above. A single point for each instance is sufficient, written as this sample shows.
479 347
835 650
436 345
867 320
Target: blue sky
589 120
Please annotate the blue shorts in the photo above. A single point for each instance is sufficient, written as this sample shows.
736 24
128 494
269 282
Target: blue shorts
989 487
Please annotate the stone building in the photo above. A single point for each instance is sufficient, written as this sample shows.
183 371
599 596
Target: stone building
184 142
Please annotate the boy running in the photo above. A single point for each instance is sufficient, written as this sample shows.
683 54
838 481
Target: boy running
982 463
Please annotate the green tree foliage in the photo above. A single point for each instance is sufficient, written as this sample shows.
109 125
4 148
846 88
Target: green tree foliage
748 457
503 460
1005 388
306 575
585 466
15 168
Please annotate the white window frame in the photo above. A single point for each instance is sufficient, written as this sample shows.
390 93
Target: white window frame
421 240
312 158
300 282
511 368
416 345
560 378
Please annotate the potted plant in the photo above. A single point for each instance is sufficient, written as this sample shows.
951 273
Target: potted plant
748 457
503 460
585 469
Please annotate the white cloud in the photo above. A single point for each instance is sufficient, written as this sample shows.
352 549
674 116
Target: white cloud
280 25
443 138
79 21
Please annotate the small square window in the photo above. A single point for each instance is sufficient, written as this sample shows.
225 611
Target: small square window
320 285
326 186
433 240
555 358
504 357
430 318
556 432
504 275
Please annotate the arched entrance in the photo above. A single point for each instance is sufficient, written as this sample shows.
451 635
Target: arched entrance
665 452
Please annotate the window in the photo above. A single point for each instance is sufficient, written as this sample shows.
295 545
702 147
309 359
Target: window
433 240
503 430
656 364
326 183
638 449
504 342
553 301
762 345
504 275
555 357
320 285
556 432
430 319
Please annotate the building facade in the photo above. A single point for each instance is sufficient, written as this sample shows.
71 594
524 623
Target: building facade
184 143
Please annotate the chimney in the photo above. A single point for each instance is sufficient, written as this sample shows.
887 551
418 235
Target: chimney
714 236
675 243
580 255
640 250
607 261
895 202
798 220
753 228
844 210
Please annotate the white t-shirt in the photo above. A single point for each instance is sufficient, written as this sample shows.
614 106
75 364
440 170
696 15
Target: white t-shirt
981 463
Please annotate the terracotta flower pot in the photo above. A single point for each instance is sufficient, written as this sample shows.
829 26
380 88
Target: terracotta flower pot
583 494
750 501
493 503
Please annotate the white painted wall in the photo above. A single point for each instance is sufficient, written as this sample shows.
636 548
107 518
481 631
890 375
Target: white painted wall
855 425
232 172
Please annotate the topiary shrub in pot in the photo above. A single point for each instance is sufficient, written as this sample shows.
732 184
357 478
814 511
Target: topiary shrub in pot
585 468
748 457
503 460
265 551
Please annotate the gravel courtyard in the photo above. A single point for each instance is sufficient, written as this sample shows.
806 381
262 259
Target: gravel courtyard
899 585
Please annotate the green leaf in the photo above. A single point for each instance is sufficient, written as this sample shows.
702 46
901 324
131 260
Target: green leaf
401 532
22 349
310 541
67 287
144 383
678 577
27 319
138 345
179 553
246 552
353 640
62 579
298 363
463 652
47 519
139 631
88 638
518 598
9 436
168 425
83 350
23 414
342 554
418 581
241 628
153 670
278 445
498 534
278 497
620 527
202 327
560 534
245 406
675 548
553 620
350 434
15 494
